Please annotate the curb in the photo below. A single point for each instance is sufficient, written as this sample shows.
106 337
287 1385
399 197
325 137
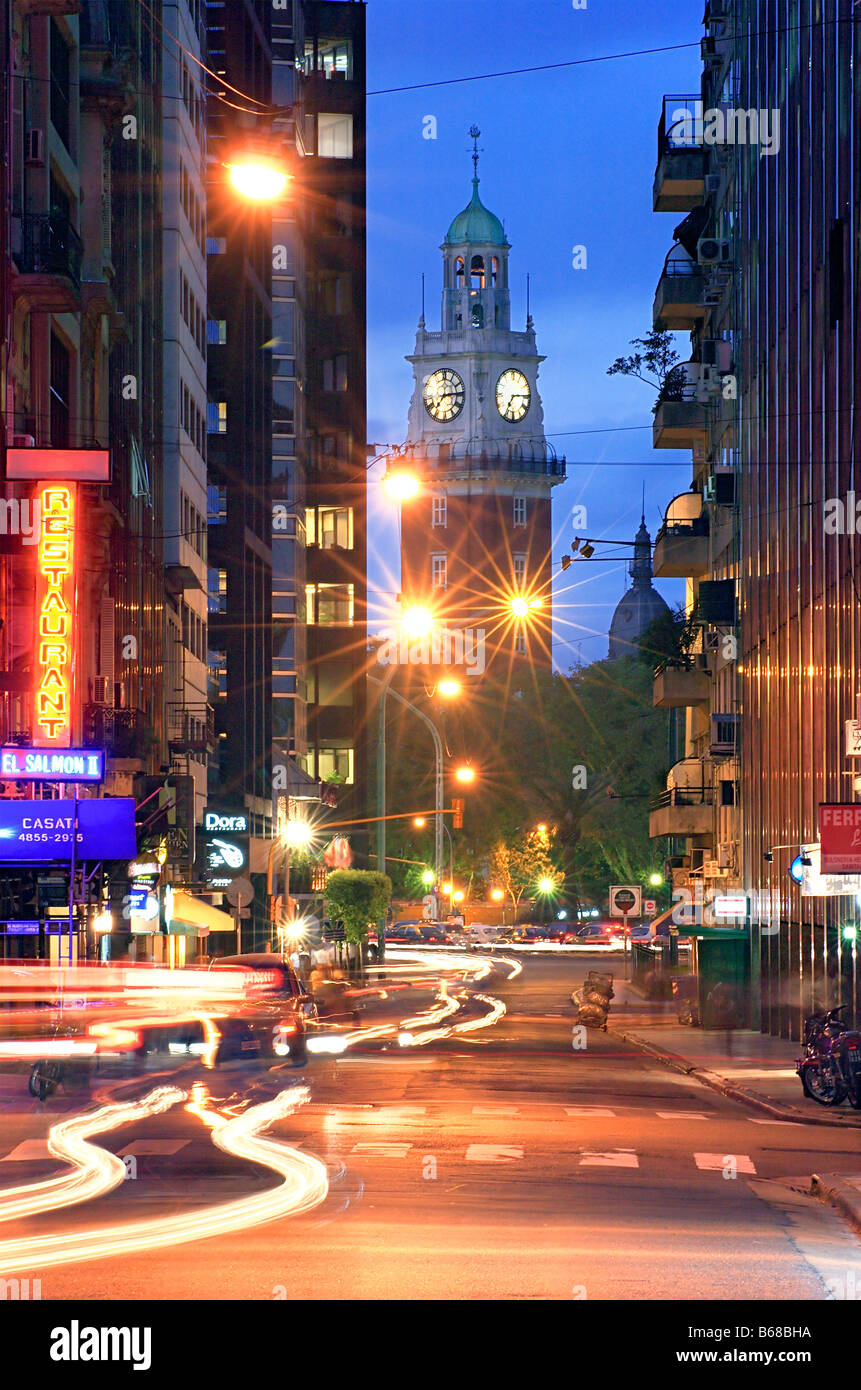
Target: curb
719 1083
835 1190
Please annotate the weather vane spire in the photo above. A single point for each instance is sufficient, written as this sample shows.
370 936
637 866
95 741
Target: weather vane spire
474 133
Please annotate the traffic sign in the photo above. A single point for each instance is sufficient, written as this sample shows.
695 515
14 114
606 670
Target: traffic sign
624 900
650 906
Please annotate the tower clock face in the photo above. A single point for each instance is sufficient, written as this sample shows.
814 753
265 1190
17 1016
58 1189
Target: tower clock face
443 394
512 395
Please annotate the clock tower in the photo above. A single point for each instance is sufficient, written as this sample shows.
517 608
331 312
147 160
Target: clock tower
476 540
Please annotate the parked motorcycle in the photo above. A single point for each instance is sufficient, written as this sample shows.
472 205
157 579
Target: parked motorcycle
849 1057
821 1069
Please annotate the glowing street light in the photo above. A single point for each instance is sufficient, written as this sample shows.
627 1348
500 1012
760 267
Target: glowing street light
457 897
448 889
464 774
497 895
417 621
521 606
257 177
297 834
104 922
546 885
401 486
428 877
656 880
419 822
449 688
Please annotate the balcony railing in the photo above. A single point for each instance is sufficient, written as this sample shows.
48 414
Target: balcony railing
123 733
50 246
680 685
680 174
680 296
682 811
190 728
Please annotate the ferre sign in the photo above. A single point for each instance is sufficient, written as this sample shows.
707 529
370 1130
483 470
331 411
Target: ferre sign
840 837
55 589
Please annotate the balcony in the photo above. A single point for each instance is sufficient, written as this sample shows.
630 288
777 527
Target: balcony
680 686
530 456
190 729
48 254
682 812
123 733
679 425
679 302
680 176
682 544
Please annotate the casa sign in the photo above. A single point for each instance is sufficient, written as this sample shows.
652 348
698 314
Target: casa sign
55 615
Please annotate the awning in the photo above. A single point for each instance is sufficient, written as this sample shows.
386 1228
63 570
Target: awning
192 916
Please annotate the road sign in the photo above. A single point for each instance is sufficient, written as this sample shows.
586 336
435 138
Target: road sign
240 892
840 838
650 906
625 900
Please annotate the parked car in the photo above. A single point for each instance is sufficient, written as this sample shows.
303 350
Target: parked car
601 934
436 935
278 1022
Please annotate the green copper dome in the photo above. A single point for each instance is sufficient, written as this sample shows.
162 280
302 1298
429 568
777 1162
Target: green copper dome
475 224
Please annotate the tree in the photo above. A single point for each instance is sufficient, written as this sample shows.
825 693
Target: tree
658 357
519 864
359 898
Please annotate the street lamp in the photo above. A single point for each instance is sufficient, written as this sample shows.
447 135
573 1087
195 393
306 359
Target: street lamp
417 621
448 688
465 774
419 822
401 486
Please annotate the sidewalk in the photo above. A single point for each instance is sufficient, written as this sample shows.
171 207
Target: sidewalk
752 1067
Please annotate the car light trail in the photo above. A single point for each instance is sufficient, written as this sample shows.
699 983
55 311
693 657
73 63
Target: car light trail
305 1185
96 1170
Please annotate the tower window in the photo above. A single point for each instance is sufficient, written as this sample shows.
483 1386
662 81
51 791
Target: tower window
520 511
439 511
478 315
494 270
520 571
439 571
459 272
476 273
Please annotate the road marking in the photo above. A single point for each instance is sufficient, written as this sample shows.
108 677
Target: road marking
370 1150
792 1124
28 1149
682 1115
613 1158
587 1110
403 1110
717 1162
140 1147
492 1153
495 1110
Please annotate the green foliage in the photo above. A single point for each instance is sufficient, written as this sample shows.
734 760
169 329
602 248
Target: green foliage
659 358
668 639
358 898
518 864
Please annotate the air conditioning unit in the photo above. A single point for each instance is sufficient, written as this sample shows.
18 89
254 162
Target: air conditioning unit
712 183
712 869
34 146
716 352
102 690
714 251
704 662
712 51
720 489
726 854
22 441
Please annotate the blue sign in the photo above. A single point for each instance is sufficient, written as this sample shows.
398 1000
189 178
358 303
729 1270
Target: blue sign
52 764
138 899
22 928
796 869
36 831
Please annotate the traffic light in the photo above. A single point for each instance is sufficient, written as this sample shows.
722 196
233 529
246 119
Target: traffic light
566 562
457 806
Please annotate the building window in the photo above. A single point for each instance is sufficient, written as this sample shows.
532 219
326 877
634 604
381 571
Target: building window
216 504
335 376
216 590
334 57
520 511
335 682
60 82
494 270
59 392
459 273
439 571
329 604
476 273
520 643
216 663
519 572
335 764
216 245
439 510
334 136
216 417
478 315
331 528
216 332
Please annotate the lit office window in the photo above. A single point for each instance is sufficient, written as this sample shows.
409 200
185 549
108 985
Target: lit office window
334 136
216 417
335 764
216 590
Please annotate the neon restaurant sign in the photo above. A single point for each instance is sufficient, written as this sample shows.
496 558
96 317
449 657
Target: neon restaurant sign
55 615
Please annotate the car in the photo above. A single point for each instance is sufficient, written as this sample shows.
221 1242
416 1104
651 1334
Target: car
283 1010
404 934
601 934
436 935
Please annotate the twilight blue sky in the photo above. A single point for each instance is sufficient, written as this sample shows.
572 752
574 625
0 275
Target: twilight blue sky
569 159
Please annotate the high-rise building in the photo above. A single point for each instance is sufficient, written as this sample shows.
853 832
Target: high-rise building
765 275
478 535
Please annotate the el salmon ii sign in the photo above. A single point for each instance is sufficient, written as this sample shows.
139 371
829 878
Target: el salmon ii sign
55 615
840 837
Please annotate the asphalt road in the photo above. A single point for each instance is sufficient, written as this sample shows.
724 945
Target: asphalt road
499 1165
